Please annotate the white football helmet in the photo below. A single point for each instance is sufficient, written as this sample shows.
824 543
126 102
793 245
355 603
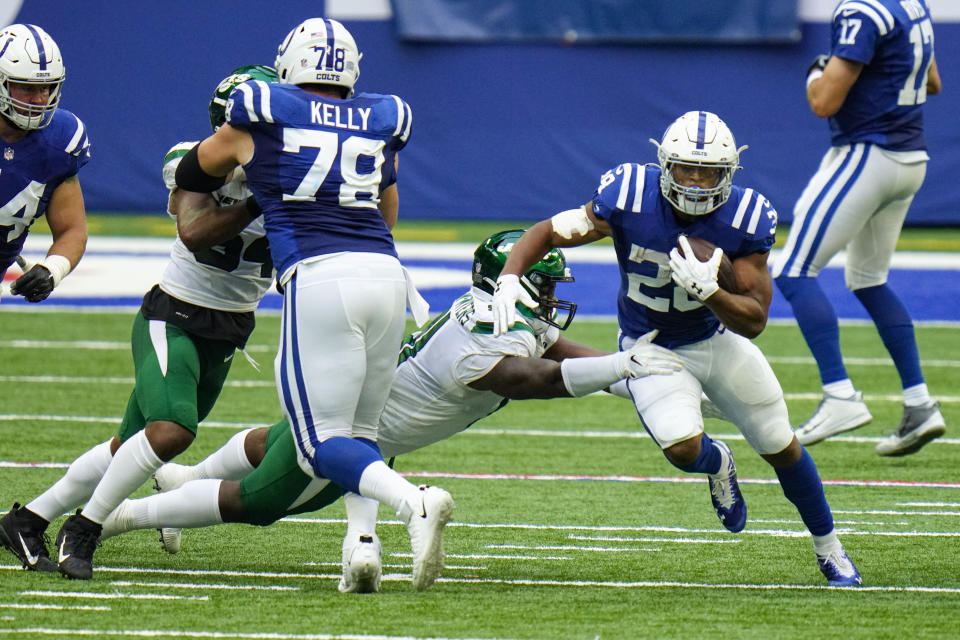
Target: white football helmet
697 138
28 55
319 51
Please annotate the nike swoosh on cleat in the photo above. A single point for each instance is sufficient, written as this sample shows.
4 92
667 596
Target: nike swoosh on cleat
62 557
31 559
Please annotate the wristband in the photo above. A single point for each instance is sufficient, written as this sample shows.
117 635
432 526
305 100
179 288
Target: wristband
813 75
57 265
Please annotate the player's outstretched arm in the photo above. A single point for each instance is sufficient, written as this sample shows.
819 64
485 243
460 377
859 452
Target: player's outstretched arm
519 378
566 229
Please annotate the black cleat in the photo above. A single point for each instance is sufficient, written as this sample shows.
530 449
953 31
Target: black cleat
76 542
24 534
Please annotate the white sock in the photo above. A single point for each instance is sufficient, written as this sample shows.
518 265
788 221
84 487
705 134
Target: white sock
916 396
195 504
133 464
361 519
840 389
382 483
76 485
823 545
229 462
361 514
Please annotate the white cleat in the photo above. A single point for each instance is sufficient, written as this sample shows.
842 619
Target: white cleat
362 569
426 534
834 415
838 569
170 539
168 477
171 476
918 426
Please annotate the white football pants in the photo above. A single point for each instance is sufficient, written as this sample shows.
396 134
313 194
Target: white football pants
343 320
738 379
857 199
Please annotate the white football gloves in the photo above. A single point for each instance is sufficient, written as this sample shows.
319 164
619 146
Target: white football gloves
509 291
647 359
698 278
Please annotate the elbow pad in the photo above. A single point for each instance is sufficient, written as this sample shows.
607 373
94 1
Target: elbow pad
573 221
190 175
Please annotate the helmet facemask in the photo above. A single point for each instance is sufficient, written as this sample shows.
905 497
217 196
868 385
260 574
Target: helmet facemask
29 57
540 280
697 139
542 286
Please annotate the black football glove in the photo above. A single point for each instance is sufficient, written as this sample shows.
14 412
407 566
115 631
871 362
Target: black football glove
35 285
819 64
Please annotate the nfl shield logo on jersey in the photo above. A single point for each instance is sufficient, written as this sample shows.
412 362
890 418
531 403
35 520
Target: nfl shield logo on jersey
8 153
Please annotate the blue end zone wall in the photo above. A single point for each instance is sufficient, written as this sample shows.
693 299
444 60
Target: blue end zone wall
500 130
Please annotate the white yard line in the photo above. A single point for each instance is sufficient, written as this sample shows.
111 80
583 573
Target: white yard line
108 596
203 585
219 635
60 607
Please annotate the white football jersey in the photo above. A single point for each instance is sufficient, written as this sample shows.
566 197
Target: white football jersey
232 276
430 400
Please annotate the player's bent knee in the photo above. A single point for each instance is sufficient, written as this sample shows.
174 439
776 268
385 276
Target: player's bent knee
858 282
249 508
168 439
787 457
233 508
255 445
683 454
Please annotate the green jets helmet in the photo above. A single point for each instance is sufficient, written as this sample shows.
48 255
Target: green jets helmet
540 280
218 103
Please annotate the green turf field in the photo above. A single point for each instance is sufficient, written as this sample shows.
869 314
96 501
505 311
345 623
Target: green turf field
570 523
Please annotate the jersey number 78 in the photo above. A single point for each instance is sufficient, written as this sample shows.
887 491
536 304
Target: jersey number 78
328 146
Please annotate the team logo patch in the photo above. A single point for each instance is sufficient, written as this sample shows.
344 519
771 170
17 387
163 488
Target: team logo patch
8 153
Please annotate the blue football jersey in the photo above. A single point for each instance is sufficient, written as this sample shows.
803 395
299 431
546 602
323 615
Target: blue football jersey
644 230
30 171
319 167
894 41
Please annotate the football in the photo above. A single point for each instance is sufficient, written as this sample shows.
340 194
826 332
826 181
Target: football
703 249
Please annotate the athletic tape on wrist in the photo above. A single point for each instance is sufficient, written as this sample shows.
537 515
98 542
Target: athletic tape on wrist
57 265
